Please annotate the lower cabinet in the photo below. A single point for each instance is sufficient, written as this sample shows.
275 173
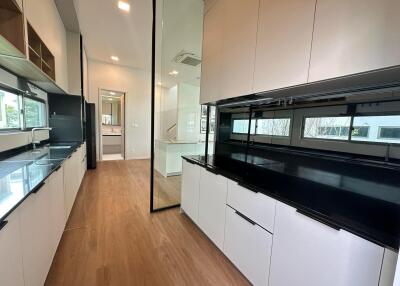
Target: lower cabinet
248 246
212 204
11 268
307 252
37 247
72 170
190 189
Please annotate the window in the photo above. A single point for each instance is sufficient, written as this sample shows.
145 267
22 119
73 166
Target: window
9 110
331 128
241 126
273 127
380 129
35 113
21 112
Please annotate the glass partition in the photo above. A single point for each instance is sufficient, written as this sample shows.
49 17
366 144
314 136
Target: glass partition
180 122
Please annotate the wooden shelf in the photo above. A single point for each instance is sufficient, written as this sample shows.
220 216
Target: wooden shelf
12 42
39 54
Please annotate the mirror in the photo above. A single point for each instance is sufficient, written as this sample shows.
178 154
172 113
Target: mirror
111 108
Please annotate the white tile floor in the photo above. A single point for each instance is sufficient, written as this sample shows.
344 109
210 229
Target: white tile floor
112 157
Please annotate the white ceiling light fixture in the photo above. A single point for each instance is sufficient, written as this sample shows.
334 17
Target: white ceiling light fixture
112 93
173 73
114 58
125 6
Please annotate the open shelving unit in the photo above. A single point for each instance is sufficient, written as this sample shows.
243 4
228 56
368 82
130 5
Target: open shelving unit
12 40
39 54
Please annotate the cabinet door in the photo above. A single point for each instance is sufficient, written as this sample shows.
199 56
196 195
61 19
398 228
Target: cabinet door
240 19
190 189
11 271
248 246
57 211
307 252
212 204
353 36
283 43
36 236
212 49
69 185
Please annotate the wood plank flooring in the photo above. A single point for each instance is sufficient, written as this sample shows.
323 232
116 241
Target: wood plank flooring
112 239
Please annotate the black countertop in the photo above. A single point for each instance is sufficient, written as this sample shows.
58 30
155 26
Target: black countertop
361 199
23 173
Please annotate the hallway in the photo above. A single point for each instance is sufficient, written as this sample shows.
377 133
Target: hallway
112 239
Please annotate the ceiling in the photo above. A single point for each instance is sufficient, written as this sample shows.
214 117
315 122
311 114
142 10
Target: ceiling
108 31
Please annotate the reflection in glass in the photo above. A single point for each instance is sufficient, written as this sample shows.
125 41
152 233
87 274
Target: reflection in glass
384 129
332 128
180 122
273 127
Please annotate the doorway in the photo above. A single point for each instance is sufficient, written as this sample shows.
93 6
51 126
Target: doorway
112 122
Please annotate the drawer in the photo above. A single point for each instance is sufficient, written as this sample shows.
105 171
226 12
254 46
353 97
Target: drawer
256 206
248 246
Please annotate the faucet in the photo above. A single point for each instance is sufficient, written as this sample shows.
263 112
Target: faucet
34 142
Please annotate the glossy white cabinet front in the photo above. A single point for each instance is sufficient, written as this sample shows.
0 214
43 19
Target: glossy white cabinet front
212 204
190 189
11 269
307 252
248 246
353 36
283 43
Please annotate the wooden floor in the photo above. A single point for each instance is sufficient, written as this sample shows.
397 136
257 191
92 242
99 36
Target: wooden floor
112 239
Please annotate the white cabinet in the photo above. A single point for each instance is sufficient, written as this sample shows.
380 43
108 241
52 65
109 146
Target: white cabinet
57 207
190 189
212 204
283 43
258 207
353 36
248 246
37 246
230 31
72 170
11 270
307 252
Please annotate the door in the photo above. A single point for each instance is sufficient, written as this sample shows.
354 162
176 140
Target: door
190 189
315 254
112 122
212 204
11 271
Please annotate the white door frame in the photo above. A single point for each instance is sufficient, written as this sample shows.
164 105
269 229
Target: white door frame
100 113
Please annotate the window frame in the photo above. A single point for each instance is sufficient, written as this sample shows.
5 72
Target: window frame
21 106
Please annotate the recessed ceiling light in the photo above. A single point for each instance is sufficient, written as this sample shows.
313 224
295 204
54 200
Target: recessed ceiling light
114 58
159 83
174 72
112 93
124 6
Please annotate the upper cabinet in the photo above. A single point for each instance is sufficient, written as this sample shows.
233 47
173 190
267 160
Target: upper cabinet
353 36
229 45
283 43
12 41
44 18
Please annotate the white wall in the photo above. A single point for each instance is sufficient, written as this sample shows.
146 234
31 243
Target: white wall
137 86
188 112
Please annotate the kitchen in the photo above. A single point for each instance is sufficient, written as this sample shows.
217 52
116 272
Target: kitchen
258 142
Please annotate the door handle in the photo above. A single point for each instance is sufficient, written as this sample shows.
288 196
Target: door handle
3 224
245 218
38 188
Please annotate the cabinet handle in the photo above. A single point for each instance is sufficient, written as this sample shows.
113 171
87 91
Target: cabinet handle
69 156
245 218
319 219
3 224
211 170
38 188
58 168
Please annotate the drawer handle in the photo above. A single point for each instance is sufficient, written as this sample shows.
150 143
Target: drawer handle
38 188
69 156
245 218
320 220
3 224
58 168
